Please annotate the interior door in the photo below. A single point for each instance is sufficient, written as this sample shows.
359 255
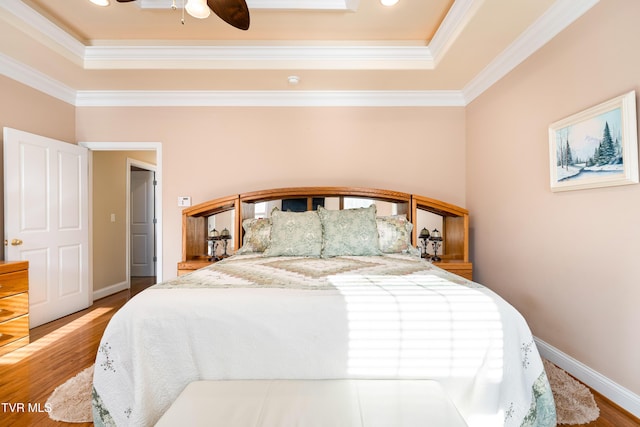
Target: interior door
142 223
46 221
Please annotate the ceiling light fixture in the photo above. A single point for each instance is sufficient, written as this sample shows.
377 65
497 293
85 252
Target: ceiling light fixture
100 2
198 9
388 2
233 12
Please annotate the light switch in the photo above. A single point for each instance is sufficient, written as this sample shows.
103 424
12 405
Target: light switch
113 217
184 201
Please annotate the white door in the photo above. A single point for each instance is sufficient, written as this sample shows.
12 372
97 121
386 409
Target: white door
142 223
46 221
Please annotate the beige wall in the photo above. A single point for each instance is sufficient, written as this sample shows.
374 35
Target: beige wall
568 261
214 152
27 109
109 170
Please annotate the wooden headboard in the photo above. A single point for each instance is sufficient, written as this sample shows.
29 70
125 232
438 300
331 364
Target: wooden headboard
455 220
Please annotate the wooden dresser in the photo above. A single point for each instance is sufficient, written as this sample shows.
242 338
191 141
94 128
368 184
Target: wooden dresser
14 305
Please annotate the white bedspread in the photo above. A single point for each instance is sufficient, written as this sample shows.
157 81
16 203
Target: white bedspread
292 318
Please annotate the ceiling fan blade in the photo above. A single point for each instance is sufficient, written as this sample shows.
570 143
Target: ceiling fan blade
233 12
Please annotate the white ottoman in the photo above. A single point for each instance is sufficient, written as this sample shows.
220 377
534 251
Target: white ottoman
309 403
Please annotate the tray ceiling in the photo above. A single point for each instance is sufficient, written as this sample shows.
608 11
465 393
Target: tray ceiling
437 48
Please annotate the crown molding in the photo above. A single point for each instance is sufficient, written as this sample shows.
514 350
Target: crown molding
454 22
33 78
34 24
558 17
258 57
269 99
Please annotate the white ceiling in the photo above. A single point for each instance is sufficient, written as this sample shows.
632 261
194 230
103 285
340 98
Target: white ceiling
345 52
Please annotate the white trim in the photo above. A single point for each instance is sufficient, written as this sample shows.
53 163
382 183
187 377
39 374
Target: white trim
110 290
87 98
558 17
35 79
146 146
121 146
90 222
304 57
603 385
53 35
270 98
456 20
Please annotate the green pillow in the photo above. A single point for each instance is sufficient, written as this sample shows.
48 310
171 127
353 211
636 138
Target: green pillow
349 232
295 234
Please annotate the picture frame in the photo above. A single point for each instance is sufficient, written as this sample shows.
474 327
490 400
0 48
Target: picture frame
597 147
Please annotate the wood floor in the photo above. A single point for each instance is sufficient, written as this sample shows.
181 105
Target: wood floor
57 352
61 349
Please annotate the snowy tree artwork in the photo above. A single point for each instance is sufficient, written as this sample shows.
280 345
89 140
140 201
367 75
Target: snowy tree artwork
595 148
589 147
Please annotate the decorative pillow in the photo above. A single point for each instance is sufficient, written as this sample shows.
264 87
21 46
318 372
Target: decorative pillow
349 232
257 233
295 234
395 233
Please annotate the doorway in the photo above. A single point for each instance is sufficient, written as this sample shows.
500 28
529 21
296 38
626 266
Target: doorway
123 280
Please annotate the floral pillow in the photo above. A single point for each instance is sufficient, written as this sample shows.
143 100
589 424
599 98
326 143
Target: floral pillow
295 234
257 234
395 233
349 232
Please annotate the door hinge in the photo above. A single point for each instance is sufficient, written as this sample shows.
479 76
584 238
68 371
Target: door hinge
155 259
155 220
155 182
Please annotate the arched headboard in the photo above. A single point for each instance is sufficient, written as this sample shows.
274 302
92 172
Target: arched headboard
454 220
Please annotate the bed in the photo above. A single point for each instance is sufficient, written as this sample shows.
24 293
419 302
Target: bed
323 294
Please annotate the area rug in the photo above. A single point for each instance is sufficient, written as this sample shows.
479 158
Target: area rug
574 401
71 402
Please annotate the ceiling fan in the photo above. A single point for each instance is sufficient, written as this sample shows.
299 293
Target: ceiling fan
233 12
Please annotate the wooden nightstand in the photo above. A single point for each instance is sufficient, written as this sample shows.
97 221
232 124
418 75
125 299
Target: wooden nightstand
190 266
14 305
461 268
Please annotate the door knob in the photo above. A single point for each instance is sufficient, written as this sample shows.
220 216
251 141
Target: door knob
16 242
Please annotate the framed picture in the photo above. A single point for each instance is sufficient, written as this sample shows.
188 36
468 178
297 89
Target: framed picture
597 147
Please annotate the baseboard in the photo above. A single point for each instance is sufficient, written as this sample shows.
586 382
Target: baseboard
603 385
110 290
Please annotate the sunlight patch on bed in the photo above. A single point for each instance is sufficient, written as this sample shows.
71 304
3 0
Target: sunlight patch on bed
420 326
